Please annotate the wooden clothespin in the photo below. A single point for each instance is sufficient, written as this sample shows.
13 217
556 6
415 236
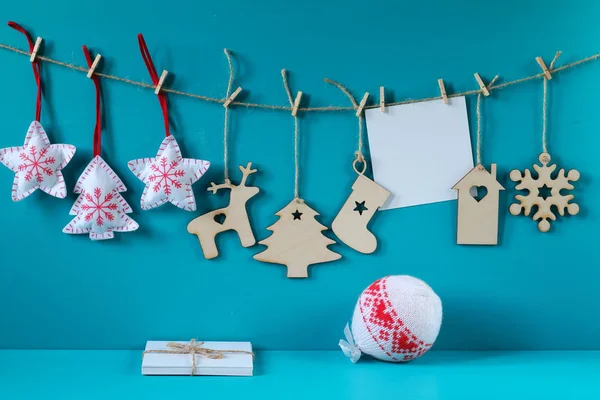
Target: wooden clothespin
296 104
36 48
443 91
231 98
543 66
362 104
161 81
482 86
94 66
382 99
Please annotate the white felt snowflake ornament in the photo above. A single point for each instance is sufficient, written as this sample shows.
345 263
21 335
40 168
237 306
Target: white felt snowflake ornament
100 210
37 164
168 176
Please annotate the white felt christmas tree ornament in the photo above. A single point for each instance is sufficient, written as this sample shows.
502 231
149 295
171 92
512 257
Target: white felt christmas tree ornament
38 163
168 176
99 210
397 319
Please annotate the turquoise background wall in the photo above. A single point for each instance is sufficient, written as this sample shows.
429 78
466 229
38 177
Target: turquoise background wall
532 291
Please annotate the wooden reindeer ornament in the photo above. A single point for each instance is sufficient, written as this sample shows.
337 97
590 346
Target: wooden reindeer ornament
235 215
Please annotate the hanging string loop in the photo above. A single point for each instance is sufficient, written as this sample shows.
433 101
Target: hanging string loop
296 139
545 106
98 126
226 123
359 157
35 64
478 111
162 97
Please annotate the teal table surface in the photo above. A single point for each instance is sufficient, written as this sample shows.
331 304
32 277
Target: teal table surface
102 374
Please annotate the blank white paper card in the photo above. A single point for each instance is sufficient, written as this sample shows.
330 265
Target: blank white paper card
419 151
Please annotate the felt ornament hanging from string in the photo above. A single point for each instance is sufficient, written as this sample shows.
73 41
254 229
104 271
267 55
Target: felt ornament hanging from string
100 210
168 176
544 181
234 216
478 193
38 163
350 225
297 241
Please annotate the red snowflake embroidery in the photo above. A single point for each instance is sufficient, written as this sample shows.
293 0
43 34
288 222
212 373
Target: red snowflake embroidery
97 209
36 164
165 175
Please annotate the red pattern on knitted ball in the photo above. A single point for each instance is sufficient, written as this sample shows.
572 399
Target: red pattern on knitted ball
384 324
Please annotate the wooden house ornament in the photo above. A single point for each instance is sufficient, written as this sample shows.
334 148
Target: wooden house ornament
478 216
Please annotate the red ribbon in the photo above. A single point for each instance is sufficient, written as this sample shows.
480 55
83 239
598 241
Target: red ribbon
98 127
162 98
36 69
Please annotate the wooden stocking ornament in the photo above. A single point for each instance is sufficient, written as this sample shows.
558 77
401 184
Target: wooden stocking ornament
235 215
350 225
544 203
478 217
297 241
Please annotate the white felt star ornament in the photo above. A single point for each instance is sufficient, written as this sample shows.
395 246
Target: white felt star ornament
168 176
37 164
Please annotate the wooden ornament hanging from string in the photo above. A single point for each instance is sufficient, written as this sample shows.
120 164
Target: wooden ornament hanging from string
297 240
350 224
235 215
478 193
544 180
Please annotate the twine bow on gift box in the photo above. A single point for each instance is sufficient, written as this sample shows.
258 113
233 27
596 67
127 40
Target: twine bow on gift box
194 348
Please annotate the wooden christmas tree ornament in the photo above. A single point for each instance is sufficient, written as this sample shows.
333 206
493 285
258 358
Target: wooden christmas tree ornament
478 216
235 215
350 225
297 241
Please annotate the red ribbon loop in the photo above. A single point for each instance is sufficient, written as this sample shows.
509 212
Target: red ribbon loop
162 98
36 69
98 126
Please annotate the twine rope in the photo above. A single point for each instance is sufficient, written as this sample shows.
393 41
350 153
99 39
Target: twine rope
358 154
285 108
226 124
296 138
545 105
478 108
192 349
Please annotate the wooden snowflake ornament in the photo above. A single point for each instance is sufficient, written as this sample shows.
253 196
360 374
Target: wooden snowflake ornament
544 205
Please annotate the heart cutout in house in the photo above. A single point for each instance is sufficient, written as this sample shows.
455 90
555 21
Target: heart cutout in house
479 191
220 218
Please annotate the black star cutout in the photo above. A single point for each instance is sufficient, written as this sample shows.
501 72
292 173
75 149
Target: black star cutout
297 215
360 207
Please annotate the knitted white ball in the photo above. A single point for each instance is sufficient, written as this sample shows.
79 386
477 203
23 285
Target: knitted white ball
397 318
